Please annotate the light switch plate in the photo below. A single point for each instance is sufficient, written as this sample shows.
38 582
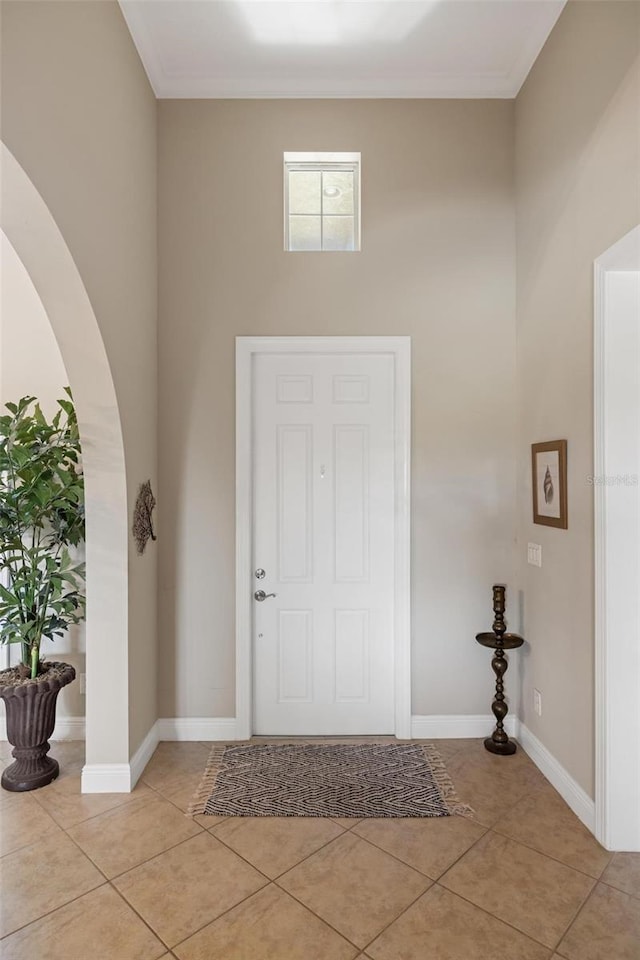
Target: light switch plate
534 554
537 702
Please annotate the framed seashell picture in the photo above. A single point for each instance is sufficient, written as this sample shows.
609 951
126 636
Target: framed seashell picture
549 483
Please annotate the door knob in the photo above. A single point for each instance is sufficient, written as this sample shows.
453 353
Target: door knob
260 595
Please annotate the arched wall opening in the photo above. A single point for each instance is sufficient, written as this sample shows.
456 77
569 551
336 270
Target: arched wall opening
34 236
31 365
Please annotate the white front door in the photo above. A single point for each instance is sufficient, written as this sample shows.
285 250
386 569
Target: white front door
323 533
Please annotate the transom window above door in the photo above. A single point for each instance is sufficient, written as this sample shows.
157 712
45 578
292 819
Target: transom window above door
321 201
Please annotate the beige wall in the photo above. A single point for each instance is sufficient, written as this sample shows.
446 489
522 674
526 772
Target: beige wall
437 263
80 117
578 191
31 365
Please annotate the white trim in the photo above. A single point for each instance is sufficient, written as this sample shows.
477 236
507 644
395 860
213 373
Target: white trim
600 594
400 347
197 728
119 777
106 778
122 777
503 84
570 791
323 163
69 728
143 754
316 157
66 728
34 235
452 727
617 620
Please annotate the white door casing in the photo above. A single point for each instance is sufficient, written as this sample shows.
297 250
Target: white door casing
323 498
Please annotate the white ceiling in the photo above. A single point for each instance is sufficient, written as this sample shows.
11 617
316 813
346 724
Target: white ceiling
339 48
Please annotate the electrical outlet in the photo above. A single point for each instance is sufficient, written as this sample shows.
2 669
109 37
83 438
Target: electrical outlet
534 554
537 702
83 683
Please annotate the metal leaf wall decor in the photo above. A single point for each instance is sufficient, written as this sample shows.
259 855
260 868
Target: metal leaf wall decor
142 528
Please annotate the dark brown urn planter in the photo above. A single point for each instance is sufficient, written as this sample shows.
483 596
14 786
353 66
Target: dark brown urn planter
31 717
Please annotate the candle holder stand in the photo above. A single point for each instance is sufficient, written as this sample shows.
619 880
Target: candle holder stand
499 640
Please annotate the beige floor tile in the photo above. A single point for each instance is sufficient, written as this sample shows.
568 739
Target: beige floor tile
23 823
268 926
208 822
489 792
187 887
182 796
70 755
608 926
429 844
42 877
63 801
172 763
517 766
450 747
544 821
354 886
99 924
347 823
275 844
624 873
123 838
533 893
442 926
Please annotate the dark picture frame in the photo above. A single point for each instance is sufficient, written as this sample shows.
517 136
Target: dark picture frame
549 483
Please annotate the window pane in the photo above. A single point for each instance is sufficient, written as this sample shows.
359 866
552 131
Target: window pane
304 191
337 192
304 233
338 233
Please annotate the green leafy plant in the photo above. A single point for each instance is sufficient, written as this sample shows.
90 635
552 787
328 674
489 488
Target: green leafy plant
41 517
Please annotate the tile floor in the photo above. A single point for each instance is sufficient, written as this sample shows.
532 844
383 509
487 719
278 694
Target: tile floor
131 877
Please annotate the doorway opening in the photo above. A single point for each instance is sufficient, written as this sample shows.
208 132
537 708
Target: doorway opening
617 543
323 387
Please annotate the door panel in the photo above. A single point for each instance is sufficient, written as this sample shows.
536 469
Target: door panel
323 523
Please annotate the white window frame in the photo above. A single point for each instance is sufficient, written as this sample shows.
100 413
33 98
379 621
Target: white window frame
323 162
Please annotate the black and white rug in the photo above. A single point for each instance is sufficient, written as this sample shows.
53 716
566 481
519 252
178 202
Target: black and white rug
327 780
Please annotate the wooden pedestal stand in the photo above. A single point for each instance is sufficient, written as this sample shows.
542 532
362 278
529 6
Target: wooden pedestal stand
499 641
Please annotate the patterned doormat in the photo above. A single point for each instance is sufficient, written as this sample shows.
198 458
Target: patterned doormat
327 780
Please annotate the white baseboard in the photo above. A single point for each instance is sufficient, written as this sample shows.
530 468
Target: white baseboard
120 777
447 727
143 754
106 778
570 791
197 728
67 728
